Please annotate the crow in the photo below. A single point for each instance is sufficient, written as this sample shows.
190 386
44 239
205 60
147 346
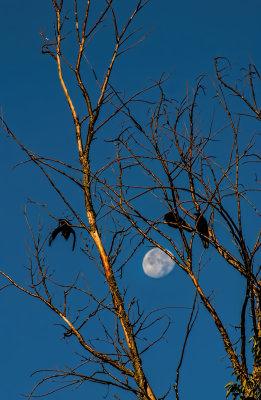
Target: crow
65 228
175 221
202 228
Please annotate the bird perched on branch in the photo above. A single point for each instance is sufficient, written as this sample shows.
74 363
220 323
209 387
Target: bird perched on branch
202 228
65 228
175 221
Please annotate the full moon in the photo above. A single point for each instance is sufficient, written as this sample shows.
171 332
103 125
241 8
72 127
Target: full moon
157 264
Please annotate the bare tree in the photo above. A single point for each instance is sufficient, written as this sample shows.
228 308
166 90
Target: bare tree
185 175
165 160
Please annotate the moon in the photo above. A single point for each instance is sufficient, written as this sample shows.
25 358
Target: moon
157 264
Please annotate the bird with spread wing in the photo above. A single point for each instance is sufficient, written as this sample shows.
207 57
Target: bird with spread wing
65 229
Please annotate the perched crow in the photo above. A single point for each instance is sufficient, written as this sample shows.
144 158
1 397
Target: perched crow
202 228
65 228
175 221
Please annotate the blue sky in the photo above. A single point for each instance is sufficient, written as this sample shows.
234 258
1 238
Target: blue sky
184 38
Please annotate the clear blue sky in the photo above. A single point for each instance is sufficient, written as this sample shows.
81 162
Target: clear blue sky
184 38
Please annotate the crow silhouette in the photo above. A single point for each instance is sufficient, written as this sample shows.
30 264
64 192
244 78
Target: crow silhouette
202 228
65 228
175 221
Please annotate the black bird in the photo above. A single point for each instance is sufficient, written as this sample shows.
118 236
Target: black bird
65 228
175 221
202 228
